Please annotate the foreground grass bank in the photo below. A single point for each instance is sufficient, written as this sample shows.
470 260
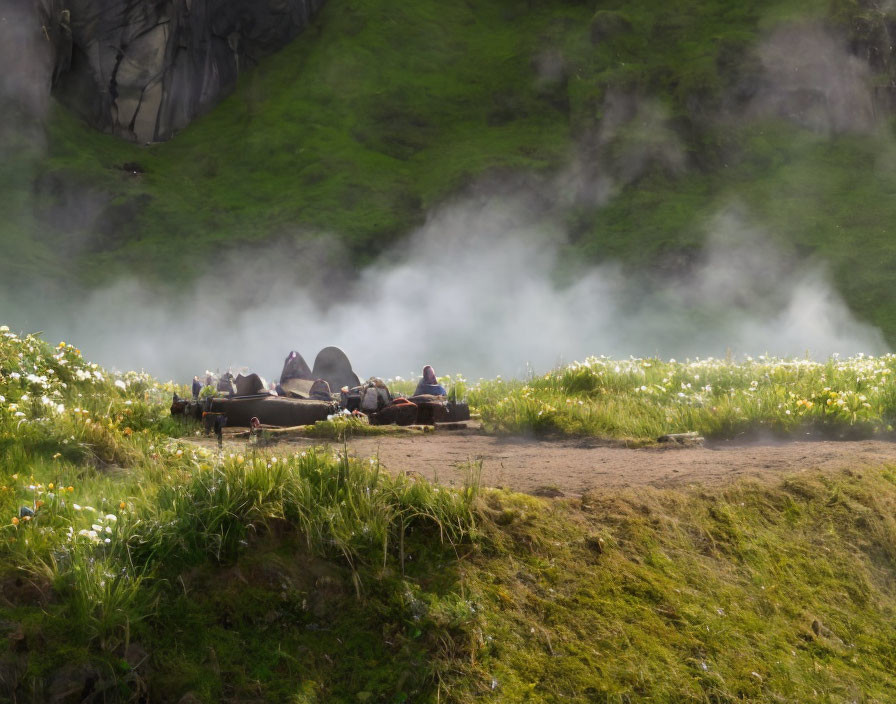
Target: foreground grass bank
757 592
136 567
780 592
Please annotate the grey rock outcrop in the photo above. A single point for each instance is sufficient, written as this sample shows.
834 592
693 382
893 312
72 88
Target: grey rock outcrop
143 69
28 49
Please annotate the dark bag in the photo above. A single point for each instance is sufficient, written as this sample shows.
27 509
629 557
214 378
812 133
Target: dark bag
431 409
435 409
399 412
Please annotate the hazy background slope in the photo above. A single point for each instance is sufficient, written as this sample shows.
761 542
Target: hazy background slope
636 123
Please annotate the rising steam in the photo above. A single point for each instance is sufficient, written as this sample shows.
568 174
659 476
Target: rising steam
473 292
475 289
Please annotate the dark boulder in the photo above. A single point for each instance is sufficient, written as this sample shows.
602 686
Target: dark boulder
250 384
295 367
333 365
271 410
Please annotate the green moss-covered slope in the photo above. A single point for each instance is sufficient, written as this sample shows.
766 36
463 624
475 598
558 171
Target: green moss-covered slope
382 110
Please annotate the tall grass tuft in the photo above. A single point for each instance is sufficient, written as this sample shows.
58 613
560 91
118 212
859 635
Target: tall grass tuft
339 507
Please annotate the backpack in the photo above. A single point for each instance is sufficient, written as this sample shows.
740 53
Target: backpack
370 397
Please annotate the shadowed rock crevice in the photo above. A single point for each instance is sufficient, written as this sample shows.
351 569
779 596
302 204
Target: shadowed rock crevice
144 70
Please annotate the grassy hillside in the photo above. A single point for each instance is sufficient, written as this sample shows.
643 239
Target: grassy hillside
138 566
382 110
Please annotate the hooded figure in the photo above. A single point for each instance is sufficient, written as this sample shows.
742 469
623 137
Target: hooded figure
429 384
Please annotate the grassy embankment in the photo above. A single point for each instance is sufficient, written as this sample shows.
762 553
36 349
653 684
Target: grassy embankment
637 400
382 110
151 568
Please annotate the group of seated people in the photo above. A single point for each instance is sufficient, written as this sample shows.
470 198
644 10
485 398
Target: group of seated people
332 386
332 376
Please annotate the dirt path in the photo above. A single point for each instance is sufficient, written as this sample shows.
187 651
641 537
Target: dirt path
566 468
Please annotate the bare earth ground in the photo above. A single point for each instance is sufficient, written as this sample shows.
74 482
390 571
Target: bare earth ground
568 468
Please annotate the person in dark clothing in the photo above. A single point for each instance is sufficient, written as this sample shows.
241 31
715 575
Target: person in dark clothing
429 384
220 422
226 384
197 387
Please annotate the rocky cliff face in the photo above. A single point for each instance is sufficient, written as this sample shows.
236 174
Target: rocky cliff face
143 69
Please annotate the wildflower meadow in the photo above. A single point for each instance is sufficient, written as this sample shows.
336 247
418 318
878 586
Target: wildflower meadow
137 564
639 400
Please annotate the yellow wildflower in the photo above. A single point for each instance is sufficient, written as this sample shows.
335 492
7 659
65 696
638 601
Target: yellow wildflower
15 520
